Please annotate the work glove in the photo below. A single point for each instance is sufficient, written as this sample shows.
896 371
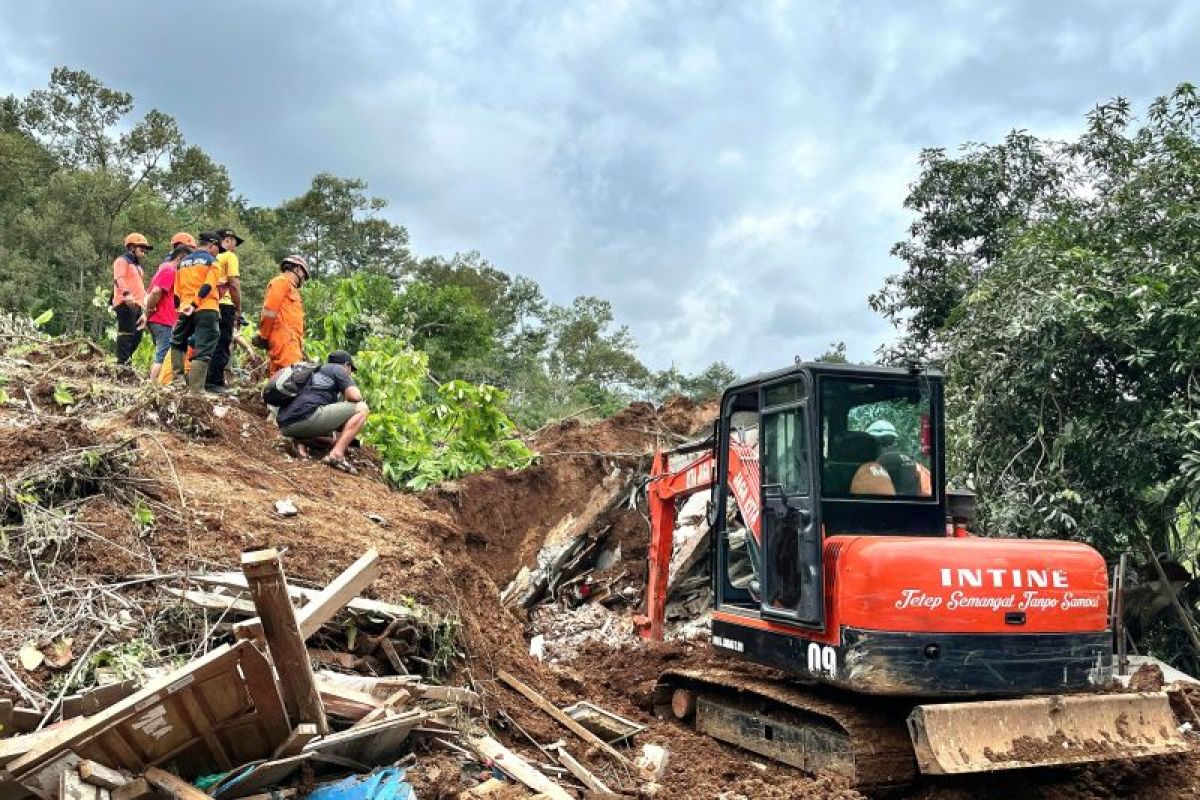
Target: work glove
259 341
242 321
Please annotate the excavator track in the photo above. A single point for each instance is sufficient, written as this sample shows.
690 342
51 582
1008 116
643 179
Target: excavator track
813 729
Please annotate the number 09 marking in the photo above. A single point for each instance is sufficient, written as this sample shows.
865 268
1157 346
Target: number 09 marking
822 660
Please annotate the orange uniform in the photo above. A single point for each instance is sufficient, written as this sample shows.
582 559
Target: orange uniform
127 281
194 272
282 323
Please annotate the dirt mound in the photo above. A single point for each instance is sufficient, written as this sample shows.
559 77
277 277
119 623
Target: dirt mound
501 518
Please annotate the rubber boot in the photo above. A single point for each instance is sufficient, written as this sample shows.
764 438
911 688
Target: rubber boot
197 376
177 373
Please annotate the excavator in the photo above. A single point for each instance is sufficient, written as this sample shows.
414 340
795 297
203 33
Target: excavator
870 633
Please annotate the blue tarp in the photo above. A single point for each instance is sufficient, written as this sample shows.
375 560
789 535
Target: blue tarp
383 784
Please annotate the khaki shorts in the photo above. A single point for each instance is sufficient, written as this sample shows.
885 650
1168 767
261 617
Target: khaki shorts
323 421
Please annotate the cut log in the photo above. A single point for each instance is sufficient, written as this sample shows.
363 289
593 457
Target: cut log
520 769
562 719
268 588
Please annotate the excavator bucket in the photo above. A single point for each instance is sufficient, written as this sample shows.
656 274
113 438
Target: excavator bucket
982 736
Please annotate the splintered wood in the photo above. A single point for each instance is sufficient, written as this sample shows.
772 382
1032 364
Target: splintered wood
221 710
264 573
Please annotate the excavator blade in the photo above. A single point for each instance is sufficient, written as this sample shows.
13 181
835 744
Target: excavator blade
987 735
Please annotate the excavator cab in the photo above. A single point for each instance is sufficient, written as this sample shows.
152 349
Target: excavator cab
821 449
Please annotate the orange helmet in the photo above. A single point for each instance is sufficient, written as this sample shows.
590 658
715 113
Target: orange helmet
134 239
183 237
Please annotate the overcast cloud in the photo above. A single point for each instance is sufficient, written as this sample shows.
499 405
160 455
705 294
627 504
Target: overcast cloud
729 174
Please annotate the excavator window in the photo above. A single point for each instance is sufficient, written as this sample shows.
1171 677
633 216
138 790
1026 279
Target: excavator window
875 438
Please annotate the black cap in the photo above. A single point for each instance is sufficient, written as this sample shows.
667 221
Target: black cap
340 357
209 237
225 233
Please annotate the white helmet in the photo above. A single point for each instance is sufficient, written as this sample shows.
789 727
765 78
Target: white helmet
881 428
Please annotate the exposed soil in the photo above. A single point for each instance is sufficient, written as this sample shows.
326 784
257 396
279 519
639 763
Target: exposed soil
211 474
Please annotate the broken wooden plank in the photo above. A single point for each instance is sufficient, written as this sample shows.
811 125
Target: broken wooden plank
102 776
330 600
389 652
583 774
520 769
257 777
333 658
371 745
71 787
154 727
325 604
358 606
302 735
397 700
14 747
138 789
268 588
173 786
449 694
562 719
213 602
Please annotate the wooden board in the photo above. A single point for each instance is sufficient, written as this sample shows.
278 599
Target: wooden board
219 711
370 745
357 606
268 588
173 786
583 774
258 777
228 604
100 775
562 719
302 735
491 750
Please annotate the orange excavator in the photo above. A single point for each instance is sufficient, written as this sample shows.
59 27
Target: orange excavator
886 640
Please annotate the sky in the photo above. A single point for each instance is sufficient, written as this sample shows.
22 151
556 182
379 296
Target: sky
730 175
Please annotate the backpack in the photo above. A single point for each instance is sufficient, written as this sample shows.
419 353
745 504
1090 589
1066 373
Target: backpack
285 384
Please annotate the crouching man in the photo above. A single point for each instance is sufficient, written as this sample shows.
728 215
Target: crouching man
328 410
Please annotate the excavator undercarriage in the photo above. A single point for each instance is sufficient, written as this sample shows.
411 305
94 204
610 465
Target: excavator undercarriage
882 744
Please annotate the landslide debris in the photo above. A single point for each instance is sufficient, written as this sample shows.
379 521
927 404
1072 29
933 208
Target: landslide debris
185 484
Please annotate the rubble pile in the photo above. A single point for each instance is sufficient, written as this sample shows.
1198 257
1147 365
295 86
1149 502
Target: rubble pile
152 646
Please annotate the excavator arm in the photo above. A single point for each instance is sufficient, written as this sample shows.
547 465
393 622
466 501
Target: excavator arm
665 487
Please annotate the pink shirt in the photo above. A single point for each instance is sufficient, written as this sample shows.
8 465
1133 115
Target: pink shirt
165 312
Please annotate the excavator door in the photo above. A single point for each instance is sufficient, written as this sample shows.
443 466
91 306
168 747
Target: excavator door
791 551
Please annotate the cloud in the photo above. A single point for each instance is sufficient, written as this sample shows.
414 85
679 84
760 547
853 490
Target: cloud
730 175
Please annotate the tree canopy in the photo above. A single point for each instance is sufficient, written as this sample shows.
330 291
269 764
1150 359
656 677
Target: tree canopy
78 170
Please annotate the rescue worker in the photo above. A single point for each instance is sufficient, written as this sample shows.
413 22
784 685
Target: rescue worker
230 307
317 416
160 314
281 328
129 293
909 477
196 286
